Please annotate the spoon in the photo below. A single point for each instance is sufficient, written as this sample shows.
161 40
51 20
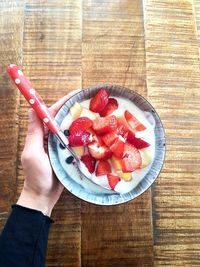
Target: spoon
36 102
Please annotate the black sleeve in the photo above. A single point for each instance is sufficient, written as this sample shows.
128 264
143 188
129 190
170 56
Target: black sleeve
23 241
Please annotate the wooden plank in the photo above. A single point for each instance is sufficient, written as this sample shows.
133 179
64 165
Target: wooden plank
52 61
113 52
11 34
173 87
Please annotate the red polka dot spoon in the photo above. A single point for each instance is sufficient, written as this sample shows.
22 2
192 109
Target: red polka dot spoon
36 102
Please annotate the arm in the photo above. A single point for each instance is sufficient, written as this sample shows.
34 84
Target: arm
23 241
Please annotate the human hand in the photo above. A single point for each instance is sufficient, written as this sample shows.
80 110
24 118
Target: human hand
41 188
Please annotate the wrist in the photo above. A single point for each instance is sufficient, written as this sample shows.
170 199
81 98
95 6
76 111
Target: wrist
35 201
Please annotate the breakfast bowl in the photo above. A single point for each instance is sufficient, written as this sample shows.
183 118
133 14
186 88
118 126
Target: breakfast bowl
139 131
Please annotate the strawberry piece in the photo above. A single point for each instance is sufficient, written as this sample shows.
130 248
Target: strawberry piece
96 138
105 125
103 168
110 107
121 130
117 148
79 138
137 142
131 158
121 120
82 123
99 152
109 138
123 127
134 124
89 162
113 180
98 103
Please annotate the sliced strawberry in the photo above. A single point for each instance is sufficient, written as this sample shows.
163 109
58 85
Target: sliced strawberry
103 168
89 162
99 152
105 125
110 107
118 148
137 142
134 123
113 180
79 138
131 158
121 120
82 123
122 127
96 138
99 101
121 130
109 138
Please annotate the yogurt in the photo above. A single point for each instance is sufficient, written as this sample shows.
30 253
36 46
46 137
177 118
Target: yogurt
123 186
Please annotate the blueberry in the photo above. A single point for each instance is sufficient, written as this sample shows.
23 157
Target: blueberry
61 146
66 132
69 160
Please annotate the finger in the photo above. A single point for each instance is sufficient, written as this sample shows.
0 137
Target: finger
35 132
55 107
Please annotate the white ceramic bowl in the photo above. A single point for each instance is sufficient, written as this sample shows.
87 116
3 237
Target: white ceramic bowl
111 198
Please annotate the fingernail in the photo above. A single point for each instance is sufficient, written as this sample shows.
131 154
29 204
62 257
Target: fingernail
31 115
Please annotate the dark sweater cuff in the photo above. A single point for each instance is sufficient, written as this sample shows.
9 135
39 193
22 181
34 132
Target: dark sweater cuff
23 241
31 211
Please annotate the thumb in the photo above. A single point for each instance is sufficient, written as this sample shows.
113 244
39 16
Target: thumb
35 132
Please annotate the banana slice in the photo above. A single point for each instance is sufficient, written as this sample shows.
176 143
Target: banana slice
79 150
76 110
88 113
116 163
146 157
126 176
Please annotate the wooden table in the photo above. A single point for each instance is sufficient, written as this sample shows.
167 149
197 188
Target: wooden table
152 48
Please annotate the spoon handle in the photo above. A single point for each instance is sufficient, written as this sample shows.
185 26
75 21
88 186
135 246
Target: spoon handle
33 98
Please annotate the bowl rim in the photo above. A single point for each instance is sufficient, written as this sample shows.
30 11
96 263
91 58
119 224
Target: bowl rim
123 201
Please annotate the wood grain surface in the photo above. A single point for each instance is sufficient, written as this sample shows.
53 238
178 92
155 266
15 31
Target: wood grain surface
151 47
173 81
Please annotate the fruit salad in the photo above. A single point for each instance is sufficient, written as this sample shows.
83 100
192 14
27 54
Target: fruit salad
113 138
